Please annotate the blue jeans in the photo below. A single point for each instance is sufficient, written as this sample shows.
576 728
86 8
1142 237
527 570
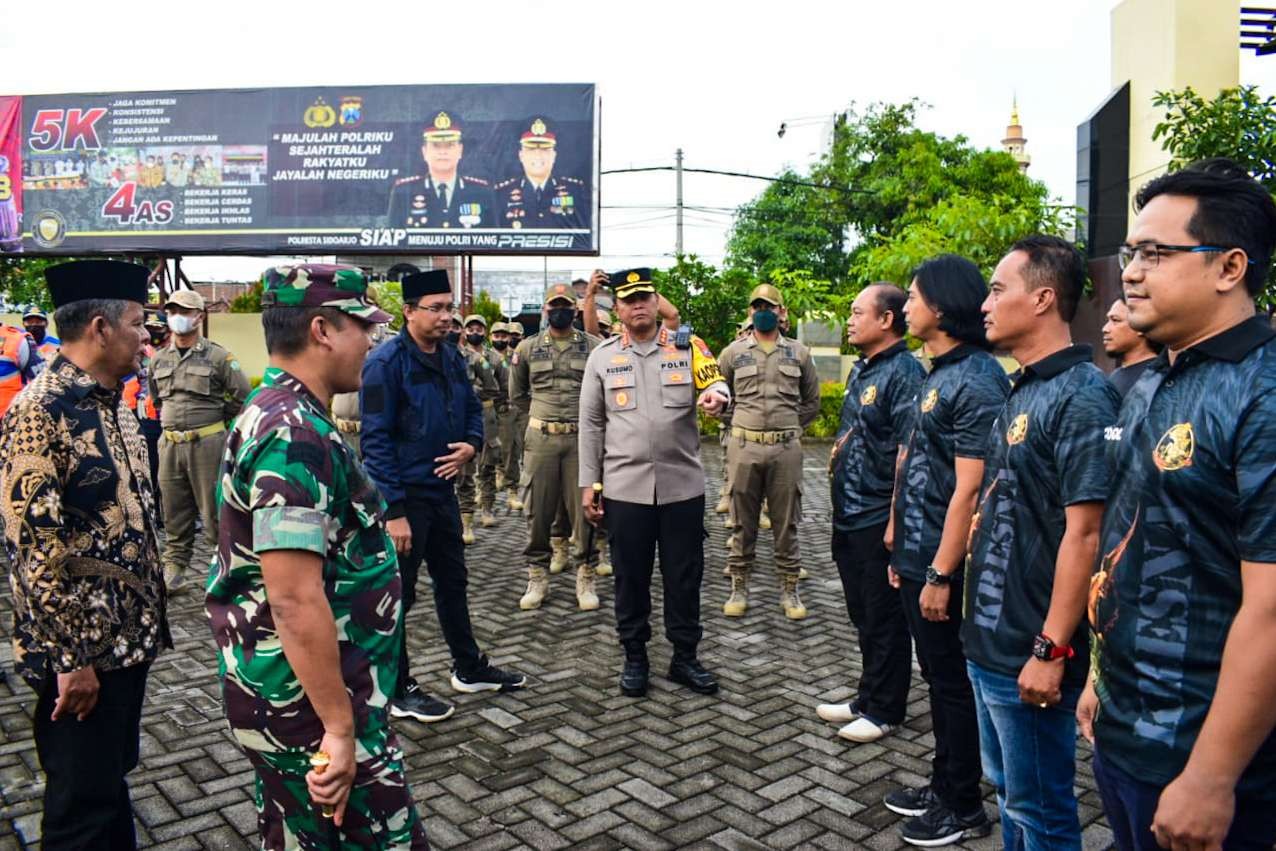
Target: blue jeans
1029 754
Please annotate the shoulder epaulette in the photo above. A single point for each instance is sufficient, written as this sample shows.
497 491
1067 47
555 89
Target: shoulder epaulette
506 184
402 180
477 181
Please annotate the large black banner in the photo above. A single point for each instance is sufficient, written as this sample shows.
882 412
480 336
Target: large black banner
475 169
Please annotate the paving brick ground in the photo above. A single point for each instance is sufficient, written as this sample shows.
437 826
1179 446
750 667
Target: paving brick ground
567 762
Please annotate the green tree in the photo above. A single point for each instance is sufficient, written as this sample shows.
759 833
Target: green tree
22 279
891 195
713 302
249 301
487 307
1238 124
388 295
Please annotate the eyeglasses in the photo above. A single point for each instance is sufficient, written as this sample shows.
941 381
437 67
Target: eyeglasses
1149 253
435 308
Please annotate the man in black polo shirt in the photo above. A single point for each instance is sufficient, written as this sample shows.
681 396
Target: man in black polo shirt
1133 351
877 415
1183 601
1033 543
935 493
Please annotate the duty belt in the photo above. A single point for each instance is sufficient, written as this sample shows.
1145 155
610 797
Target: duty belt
763 436
488 403
194 434
547 427
348 426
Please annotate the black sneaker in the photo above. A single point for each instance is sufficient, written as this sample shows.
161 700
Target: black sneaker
487 678
911 802
633 678
690 673
941 826
419 706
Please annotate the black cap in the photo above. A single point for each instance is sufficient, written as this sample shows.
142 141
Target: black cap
631 281
430 282
107 279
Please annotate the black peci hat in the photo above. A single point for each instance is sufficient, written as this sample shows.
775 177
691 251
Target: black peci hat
430 282
105 279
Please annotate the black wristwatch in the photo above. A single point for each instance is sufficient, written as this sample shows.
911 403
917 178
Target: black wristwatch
934 577
1044 648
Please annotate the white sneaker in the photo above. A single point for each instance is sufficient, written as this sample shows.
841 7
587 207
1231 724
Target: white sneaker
864 730
838 713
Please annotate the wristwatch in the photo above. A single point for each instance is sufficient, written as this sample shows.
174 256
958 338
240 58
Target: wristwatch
1044 648
934 577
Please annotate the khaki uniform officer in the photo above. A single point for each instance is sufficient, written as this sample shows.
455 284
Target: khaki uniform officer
515 425
776 394
545 377
483 378
199 387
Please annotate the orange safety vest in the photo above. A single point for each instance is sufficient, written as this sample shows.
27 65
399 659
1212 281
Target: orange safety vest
135 390
48 350
11 368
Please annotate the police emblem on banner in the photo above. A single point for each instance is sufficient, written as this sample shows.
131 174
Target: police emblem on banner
869 396
1018 430
49 229
351 111
931 398
1175 448
319 114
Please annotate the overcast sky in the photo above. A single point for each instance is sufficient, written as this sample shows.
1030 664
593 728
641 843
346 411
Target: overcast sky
714 78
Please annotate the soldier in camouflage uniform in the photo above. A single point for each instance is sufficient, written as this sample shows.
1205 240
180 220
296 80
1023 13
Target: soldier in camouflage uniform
483 378
305 598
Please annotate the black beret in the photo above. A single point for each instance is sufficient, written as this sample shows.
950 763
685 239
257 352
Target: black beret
430 282
106 279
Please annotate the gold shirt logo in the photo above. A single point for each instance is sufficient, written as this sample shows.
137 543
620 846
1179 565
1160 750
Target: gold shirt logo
931 398
869 396
1018 430
1174 450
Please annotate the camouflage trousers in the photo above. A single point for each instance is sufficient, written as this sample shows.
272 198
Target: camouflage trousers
481 470
379 813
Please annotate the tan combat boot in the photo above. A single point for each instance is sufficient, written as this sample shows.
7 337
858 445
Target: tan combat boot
738 603
586 596
537 588
604 559
558 562
486 519
789 599
514 503
764 520
724 503
467 528
501 484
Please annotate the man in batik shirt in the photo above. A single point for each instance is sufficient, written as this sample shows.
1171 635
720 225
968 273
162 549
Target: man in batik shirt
305 593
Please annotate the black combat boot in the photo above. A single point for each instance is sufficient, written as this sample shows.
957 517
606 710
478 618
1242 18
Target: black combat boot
686 670
633 679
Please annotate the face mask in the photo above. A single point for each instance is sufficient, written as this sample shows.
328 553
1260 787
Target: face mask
454 337
475 339
765 321
604 333
500 345
560 318
181 324
36 332
156 338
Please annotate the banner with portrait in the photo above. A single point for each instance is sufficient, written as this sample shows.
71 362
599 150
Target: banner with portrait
447 169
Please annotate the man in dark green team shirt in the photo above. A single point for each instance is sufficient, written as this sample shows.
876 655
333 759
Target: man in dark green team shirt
1033 541
1183 601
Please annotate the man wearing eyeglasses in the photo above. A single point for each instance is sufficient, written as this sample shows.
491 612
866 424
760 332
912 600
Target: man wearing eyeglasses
421 423
1182 701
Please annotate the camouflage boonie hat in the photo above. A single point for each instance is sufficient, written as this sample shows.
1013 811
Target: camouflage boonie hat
320 285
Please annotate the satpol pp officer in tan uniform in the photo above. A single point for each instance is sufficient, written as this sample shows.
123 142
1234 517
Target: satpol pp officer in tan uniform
199 387
545 378
515 425
776 393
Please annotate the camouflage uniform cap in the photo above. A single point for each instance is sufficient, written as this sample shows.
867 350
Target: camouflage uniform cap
476 317
320 285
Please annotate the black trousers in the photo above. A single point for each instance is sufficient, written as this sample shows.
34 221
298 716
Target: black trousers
634 531
955 769
86 800
875 611
436 539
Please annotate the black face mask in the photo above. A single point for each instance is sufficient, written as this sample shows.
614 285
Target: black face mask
765 320
36 332
156 339
475 339
561 318
454 337
500 345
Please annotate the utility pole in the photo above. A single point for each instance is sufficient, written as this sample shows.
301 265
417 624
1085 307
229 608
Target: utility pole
678 169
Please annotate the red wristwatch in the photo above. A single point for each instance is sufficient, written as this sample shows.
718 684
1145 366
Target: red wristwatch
1044 648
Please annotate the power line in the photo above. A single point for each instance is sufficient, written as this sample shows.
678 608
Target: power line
785 180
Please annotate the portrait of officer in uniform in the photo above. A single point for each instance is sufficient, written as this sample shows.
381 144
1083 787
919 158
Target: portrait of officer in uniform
442 197
539 198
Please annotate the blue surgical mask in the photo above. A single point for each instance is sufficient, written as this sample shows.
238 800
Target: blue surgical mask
765 321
